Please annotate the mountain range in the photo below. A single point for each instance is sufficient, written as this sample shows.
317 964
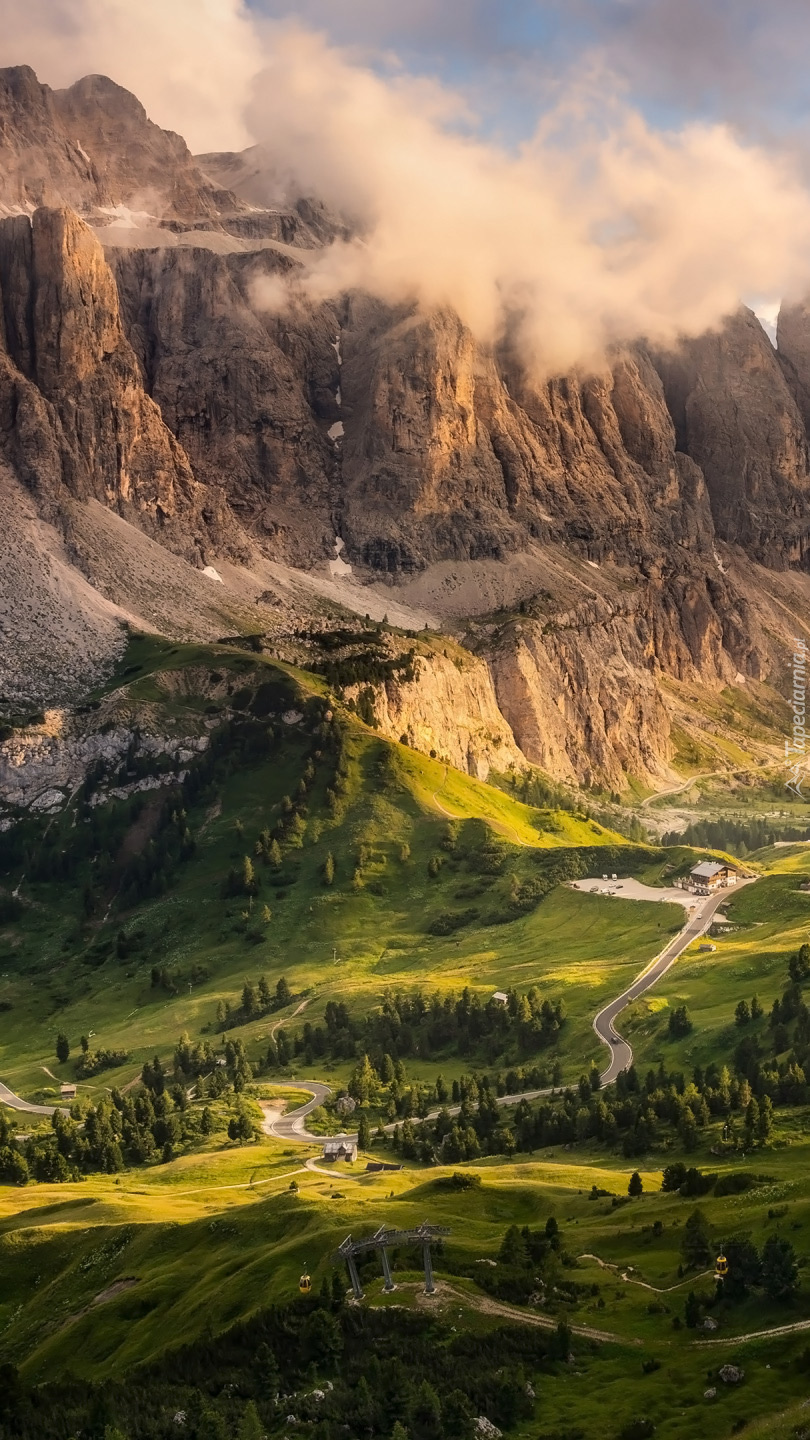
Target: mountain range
611 567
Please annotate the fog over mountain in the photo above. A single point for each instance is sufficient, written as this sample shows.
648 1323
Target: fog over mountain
601 226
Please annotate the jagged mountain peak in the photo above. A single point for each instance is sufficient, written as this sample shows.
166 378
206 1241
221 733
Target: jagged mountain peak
369 444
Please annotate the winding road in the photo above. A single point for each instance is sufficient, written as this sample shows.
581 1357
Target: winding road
290 1127
621 1052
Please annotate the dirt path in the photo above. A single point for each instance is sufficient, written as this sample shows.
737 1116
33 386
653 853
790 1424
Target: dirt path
792 1329
317 1169
679 789
297 1011
487 1306
437 802
628 1279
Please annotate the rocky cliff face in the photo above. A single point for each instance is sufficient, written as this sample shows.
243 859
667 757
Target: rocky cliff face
736 417
93 147
250 397
450 709
148 379
74 416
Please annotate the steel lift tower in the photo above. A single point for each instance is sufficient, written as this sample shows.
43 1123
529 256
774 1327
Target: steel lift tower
425 1235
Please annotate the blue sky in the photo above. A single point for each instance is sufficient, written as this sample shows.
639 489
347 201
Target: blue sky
743 61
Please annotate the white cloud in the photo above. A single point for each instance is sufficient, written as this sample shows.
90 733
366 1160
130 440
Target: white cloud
598 231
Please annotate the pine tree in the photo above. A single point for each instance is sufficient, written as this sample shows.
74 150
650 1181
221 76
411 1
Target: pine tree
765 1125
695 1244
62 1048
250 1000
248 876
329 869
274 854
779 1270
636 1185
363 1133
513 1250
250 1426
426 1413
363 1082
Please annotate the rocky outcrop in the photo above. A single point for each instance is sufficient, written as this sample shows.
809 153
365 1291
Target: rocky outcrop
449 709
252 176
736 417
42 764
581 689
74 416
93 147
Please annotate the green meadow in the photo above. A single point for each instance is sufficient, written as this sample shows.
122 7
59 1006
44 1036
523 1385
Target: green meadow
354 940
438 881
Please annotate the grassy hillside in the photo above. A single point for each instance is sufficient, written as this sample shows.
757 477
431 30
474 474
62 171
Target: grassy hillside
213 1245
298 845
439 881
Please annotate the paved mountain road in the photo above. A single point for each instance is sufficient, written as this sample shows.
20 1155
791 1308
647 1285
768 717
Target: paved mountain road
621 1052
15 1103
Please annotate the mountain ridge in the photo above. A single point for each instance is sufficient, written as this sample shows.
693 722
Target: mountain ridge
367 446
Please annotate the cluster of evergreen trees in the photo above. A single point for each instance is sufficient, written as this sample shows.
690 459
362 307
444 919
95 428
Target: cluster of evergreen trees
782 1076
257 1000
339 1370
635 1115
273 845
736 837
774 1270
141 1126
366 664
124 1130
536 789
405 1026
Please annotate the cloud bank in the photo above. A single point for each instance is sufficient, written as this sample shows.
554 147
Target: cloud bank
599 229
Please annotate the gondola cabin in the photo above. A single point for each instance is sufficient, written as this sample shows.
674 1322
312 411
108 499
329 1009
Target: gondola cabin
720 1268
305 1285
